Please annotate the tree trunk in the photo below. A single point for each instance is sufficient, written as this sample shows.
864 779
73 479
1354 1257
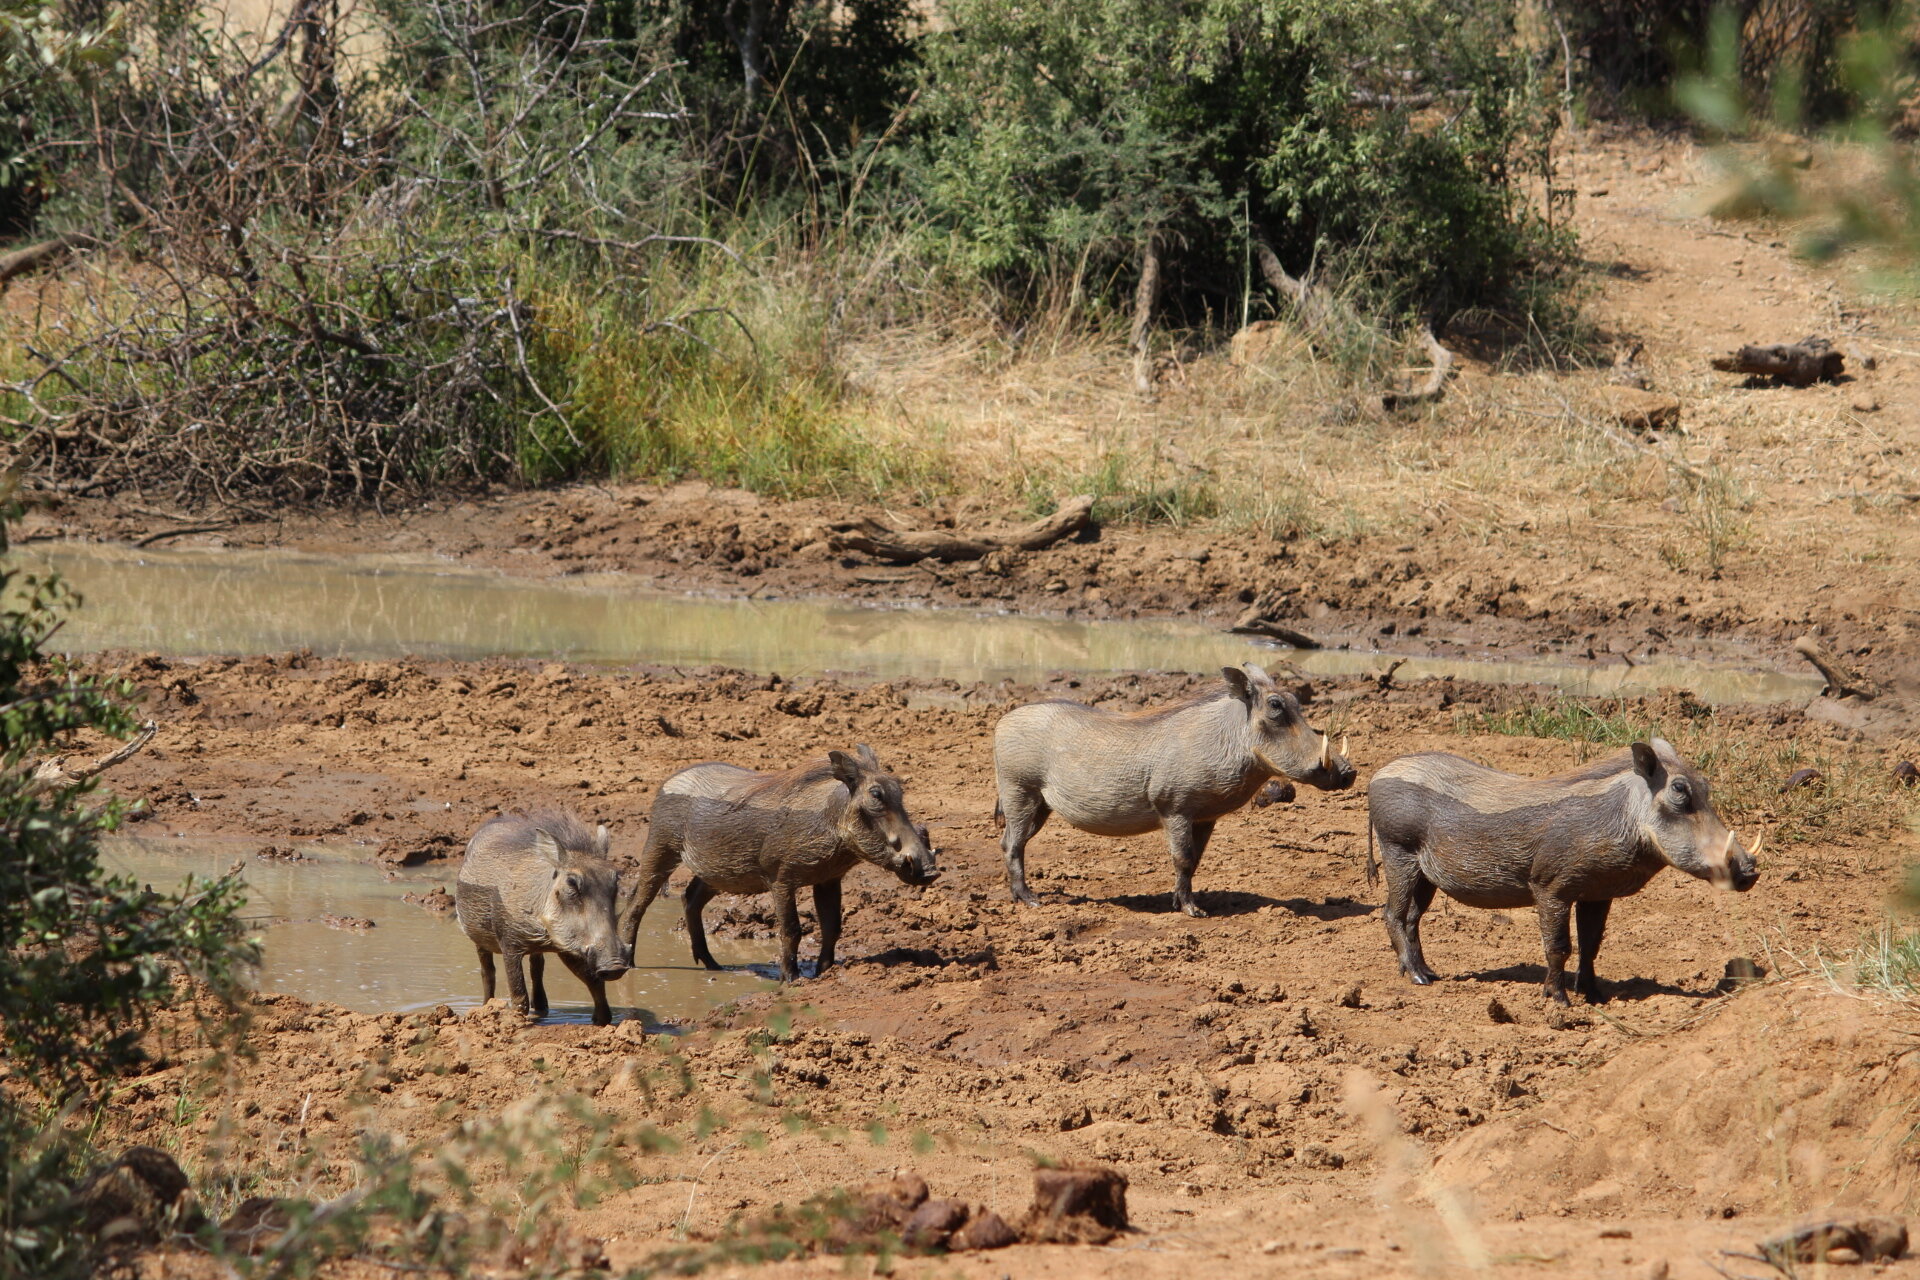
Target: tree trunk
1144 298
746 23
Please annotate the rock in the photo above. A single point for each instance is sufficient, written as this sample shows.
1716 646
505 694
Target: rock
1076 1204
1906 773
1497 1012
1869 1239
1842 1256
984 1230
1801 778
932 1223
1275 792
904 1192
1316 1155
1739 972
137 1199
1349 996
1262 342
1865 402
1640 410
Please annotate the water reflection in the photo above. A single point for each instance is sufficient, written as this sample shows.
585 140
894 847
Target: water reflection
412 959
240 602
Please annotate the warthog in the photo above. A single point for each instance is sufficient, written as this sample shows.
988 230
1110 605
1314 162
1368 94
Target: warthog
534 883
740 831
1183 767
1565 845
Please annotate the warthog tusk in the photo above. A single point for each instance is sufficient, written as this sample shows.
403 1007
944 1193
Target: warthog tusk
1757 842
1326 752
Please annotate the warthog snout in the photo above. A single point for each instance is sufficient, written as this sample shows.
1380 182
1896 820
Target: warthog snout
609 972
1740 870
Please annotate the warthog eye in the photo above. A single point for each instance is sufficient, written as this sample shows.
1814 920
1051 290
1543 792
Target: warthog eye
1682 793
877 794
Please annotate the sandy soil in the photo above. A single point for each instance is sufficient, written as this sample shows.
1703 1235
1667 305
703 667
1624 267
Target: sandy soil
1271 1087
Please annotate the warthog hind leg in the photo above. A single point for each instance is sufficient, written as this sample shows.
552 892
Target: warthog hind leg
602 1011
1186 840
1025 815
537 982
698 895
1590 922
1409 894
786 918
826 909
1558 941
486 973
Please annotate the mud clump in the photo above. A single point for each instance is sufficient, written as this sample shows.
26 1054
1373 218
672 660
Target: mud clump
1841 1242
1076 1204
436 900
137 1199
352 924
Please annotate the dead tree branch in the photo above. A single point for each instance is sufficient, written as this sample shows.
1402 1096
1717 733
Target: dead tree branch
1144 297
20 261
869 537
52 772
1436 384
1841 682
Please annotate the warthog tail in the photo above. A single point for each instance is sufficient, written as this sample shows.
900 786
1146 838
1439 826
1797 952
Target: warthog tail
1373 866
999 818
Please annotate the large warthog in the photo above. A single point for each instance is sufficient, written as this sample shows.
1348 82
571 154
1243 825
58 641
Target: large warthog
537 883
739 831
1567 845
1183 767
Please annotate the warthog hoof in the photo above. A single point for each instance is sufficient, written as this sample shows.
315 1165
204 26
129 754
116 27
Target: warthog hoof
1024 896
1423 976
1194 909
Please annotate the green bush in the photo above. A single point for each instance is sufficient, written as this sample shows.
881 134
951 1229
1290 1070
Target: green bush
1053 140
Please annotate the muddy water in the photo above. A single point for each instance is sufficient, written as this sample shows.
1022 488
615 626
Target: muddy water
238 602
412 958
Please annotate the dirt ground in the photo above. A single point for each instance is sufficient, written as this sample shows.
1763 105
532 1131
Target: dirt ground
1281 1101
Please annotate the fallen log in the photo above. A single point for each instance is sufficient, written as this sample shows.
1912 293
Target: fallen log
23 260
1841 683
1798 364
869 537
52 772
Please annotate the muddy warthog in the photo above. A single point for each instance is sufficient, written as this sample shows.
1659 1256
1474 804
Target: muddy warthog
1567 845
534 883
740 831
1122 773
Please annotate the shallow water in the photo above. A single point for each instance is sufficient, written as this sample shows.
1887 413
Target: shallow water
242 602
412 958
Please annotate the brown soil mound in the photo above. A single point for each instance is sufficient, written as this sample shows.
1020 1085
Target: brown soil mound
1795 1099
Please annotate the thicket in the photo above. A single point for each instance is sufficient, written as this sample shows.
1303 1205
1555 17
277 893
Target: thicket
85 956
530 239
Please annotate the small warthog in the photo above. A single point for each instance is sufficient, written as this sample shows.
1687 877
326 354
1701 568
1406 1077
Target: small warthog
740 831
1567 845
1122 773
534 883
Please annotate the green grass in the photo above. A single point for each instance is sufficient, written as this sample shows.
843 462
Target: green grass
1567 719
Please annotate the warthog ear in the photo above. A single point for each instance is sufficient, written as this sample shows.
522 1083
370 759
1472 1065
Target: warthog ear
602 841
1646 760
871 760
845 768
1238 684
547 847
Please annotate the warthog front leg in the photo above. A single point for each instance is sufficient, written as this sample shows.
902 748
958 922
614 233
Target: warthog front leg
1590 921
537 981
602 1011
1409 894
826 908
1186 840
698 895
786 916
1025 815
1554 935
516 979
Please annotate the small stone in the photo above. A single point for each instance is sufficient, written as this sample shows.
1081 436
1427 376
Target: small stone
985 1230
1842 1256
1273 1246
1319 1156
932 1223
1349 996
1906 773
1639 410
1056 586
1498 1012
1655 1270
1615 1233
1193 1189
1866 402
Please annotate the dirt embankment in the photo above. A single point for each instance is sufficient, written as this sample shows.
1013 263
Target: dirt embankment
1222 1063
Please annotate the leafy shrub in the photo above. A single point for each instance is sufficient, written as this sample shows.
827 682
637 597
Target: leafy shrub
1053 140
